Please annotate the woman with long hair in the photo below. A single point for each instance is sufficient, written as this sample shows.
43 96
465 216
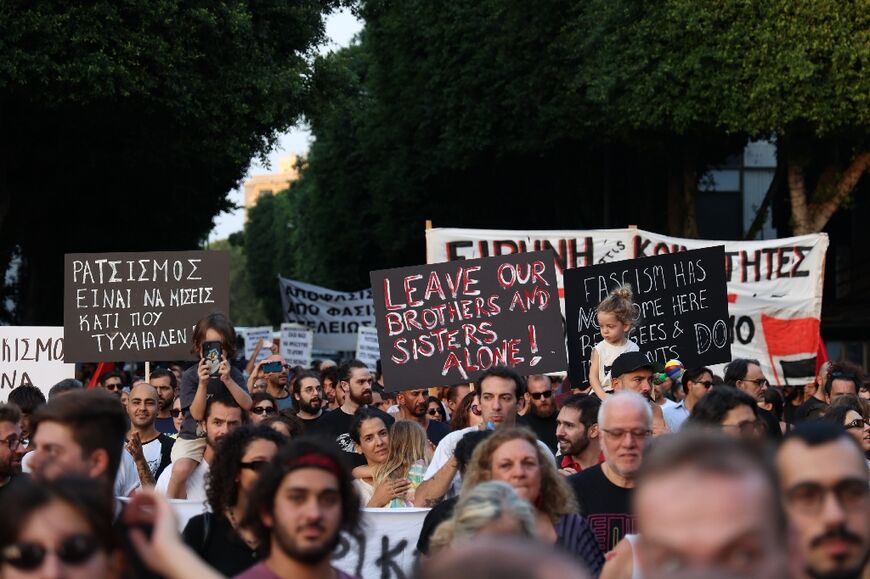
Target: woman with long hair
407 458
512 455
468 413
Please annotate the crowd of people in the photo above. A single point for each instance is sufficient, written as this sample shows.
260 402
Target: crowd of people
644 471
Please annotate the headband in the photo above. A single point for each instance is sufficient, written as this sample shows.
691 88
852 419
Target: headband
312 460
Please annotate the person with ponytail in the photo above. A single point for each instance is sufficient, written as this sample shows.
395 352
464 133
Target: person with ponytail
615 316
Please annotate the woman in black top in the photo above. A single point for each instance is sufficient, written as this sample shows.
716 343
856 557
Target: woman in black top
217 536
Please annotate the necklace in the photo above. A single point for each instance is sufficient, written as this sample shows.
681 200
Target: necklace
242 533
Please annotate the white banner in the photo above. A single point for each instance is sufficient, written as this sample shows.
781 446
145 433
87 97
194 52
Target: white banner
774 286
335 317
296 344
32 355
387 546
252 336
367 347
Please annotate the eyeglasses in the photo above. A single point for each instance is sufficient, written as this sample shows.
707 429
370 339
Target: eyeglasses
809 497
619 433
758 381
747 426
255 465
113 387
433 412
475 409
263 410
538 395
74 550
13 442
857 423
705 383
176 412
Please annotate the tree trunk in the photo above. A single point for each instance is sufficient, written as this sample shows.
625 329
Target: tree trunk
690 194
798 194
761 214
675 223
813 217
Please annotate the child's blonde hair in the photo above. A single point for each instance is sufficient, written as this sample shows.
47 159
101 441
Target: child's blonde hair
407 445
620 304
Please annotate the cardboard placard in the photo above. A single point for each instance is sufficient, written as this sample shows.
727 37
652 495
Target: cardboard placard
680 299
140 306
367 350
252 336
442 324
32 356
296 344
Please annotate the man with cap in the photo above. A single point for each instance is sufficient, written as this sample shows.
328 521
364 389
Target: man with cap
633 372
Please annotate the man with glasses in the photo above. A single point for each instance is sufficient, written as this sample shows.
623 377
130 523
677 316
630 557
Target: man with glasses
112 382
824 484
746 375
11 449
308 398
413 406
696 383
542 411
604 491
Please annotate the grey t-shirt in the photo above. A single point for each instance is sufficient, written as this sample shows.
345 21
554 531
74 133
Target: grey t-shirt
189 383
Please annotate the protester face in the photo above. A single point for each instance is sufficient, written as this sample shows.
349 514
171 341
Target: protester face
306 518
260 385
113 385
11 449
329 390
54 527
540 393
498 400
734 534
378 401
741 421
612 330
143 405
859 428
278 380
359 386
256 456
221 420
310 398
374 440
436 412
639 381
826 498
57 454
460 392
841 387
697 389
863 394
165 392
177 414
178 371
516 463
262 410
572 434
125 398
624 435
754 383
413 402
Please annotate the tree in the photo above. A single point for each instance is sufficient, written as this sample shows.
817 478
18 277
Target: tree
245 308
124 125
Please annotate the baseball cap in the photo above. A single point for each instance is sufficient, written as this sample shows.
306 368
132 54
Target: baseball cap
629 362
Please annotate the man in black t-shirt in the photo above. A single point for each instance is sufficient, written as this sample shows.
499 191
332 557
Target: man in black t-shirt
604 491
308 399
541 417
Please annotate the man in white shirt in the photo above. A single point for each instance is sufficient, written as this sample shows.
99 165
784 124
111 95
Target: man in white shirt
500 389
222 415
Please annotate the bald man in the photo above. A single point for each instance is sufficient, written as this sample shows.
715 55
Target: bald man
151 450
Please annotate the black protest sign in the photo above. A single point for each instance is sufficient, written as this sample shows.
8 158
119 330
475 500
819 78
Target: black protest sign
446 323
140 306
680 299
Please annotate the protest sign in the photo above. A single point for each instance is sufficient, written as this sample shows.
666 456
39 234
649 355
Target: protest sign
367 350
335 317
386 547
296 344
774 286
680 304
140 306
444 324
252 337
32 356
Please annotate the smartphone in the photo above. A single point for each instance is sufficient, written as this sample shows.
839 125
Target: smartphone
272 367
211 353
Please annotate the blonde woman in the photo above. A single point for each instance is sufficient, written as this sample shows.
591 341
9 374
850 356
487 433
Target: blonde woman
407 459
512 455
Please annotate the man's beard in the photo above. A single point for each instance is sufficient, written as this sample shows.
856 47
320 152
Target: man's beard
364 398
544 413
315 555
6 468
308 407
579 446
166 404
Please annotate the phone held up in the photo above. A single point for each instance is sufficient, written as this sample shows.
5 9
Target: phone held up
272 367
211 353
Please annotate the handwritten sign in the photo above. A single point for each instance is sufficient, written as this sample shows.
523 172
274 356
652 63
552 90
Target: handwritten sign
442 324
140 306
32 356
679 298
386 548
253 336
296 344
367 350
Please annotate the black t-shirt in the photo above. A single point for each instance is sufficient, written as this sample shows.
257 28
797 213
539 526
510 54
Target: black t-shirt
607 507
774 432
439 513
219 545
311 426
436 430
808 408
335 427
544 428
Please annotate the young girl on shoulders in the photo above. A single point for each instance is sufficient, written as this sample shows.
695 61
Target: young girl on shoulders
615 315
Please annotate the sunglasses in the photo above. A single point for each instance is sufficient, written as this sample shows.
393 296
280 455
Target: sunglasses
538 395
857 423
758 381
113 387
433 412
176 412
74 550
255 465
705 383
263 410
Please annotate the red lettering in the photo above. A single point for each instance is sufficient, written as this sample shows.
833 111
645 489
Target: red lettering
409 291
387 301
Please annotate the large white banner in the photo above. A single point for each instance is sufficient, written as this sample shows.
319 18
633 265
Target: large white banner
335 317
774 286
387 546
32 355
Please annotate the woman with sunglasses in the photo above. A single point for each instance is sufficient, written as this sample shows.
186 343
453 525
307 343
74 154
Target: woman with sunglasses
177 416
435 409
468 413
850 412
263 405
217 536
58 529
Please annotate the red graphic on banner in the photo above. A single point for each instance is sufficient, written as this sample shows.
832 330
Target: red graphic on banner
789 338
